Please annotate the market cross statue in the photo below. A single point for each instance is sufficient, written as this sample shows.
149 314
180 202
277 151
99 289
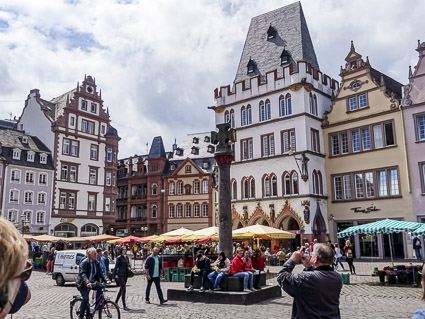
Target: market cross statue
222 138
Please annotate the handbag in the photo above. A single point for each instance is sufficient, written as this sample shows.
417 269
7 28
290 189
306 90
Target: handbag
130 273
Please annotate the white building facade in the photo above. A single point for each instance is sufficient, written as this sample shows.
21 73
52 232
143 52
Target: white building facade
278 173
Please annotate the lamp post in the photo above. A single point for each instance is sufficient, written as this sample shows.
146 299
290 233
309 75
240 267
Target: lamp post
24 223
144 229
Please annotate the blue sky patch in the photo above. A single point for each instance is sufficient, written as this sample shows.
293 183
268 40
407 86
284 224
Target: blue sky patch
3 25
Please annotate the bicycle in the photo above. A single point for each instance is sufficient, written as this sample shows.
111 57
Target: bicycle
106 307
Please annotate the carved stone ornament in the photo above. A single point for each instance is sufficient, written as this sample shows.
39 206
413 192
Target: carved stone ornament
272 213
245 213
394 101
406 101
307 214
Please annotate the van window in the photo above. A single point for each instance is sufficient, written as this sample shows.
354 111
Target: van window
79 257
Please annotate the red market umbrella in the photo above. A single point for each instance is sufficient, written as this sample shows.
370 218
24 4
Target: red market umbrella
129 240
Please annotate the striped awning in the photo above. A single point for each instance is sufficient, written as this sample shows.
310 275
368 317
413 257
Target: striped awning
419 231
385 226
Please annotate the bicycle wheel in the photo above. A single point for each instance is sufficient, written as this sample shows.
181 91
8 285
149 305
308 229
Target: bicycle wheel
75 308
110 310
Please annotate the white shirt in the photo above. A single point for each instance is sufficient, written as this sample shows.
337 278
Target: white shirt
338 253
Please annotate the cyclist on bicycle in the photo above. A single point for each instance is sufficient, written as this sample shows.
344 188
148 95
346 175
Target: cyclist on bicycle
90 271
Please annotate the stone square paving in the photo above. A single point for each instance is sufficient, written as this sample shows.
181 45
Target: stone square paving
363 298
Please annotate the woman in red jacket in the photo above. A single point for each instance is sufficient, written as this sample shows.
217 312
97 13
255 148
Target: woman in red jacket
238 264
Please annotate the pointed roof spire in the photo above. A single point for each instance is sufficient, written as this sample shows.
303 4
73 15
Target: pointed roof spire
85 77
382 81
100 94
352 49
78 87
367 60
410 71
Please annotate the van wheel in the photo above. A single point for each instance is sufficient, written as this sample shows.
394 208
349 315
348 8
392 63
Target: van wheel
59 280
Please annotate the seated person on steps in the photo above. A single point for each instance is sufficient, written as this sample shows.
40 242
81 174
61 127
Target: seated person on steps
222 269
202 268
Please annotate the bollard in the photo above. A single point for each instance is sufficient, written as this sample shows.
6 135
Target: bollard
346 278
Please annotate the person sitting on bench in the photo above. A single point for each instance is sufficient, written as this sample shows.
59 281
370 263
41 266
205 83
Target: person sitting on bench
202 268
238 264
250 269
222 269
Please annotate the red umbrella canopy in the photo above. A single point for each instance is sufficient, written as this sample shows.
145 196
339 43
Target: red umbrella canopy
128 240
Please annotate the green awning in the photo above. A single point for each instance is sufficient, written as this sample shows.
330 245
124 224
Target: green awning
385 226
419 231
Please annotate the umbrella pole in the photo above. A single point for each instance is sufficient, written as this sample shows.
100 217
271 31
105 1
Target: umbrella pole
391 249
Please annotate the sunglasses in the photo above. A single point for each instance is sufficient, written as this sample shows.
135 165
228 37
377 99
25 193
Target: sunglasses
26 273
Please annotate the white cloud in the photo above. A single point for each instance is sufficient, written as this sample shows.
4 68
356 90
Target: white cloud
158 62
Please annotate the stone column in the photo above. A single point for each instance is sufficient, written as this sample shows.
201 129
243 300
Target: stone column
224 204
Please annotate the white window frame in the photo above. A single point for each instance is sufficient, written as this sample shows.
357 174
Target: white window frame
171 211
45 198
172 188
30 156
37 215
43 159
16 181
108 178
33 177
204 210
15 213
18 192
91 205
17 154
204 187
196 187
154 211
31 197
196 210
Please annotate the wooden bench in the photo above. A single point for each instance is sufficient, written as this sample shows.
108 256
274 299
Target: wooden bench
229 283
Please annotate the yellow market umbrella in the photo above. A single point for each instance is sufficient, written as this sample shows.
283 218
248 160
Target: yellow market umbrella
261 230
179 232
209 231
103 237
113 241
161 239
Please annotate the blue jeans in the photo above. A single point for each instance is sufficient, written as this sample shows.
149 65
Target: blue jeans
338 261
216 278
157 282
246 276
418 253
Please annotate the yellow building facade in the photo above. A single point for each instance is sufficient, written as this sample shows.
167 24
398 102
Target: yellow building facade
366 163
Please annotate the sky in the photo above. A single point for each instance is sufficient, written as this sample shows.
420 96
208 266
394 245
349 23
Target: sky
158 62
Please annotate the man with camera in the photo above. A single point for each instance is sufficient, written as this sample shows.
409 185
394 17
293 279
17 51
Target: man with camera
315 290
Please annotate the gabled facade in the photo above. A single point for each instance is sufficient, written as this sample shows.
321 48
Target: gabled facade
414 125
76 127
278 172
189 196
140 198
26 179
366 164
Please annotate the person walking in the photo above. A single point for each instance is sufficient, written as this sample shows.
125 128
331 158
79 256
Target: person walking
315 290
50 261
338 257
348 248
417 246
89 273
154 272
120 270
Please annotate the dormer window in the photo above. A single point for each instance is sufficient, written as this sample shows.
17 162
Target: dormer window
195 150
179 152
285 57
353 65
211 149
251 66
30 157
195 140
24 140
205 164
207 139
271 33
43 159
16 154
173 167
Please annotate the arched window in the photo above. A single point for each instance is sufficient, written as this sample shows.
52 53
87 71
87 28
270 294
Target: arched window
154 189
319 183
268 110
274 186
88 230
310 102
226 117
315 105
154 211
234 190
243 116
262 111
232 118
288 104
252 188
266 186
294 183
314 178
282 110
245 189
286 184
249 114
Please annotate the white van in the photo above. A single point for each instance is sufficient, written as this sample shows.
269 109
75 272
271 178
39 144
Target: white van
67 264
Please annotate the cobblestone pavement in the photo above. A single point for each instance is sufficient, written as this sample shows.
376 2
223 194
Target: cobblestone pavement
363 298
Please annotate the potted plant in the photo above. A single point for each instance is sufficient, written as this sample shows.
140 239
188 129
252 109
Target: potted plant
381 274
409 275
401 276
391 275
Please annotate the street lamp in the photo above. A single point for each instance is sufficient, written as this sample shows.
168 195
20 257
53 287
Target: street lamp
144 229
304 160
24 223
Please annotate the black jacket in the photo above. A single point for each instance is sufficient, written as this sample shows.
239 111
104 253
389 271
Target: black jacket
84 274
315 291
121 266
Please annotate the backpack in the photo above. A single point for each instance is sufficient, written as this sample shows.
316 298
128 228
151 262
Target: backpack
349 253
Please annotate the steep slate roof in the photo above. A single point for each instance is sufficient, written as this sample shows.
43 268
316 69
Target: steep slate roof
157 148
57 104
391 84
292 35
8 123
187 144
112 132
198 161
11 139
